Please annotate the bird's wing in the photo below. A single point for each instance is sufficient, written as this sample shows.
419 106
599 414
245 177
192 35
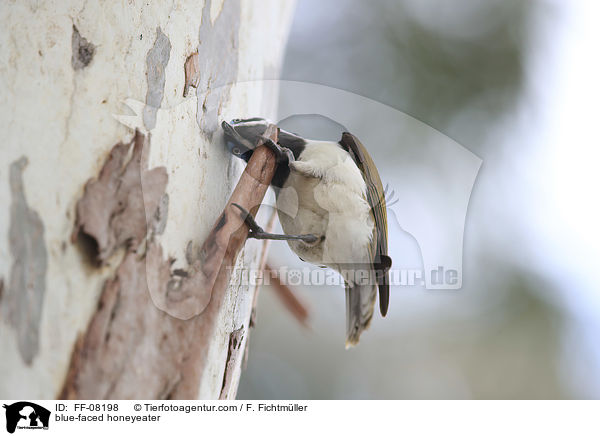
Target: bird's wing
376 198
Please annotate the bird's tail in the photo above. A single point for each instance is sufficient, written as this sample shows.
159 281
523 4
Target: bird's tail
360 301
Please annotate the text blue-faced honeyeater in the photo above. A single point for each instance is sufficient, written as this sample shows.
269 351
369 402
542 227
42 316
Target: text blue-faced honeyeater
331 206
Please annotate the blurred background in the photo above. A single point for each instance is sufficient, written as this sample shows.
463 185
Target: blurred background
514 82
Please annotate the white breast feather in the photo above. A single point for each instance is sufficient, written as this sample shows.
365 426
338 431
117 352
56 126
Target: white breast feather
329 193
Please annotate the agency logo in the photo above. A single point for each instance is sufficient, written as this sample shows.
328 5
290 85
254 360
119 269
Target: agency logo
26 415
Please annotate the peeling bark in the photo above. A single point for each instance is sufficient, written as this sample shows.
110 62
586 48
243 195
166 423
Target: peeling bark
130 349
134 347
118 207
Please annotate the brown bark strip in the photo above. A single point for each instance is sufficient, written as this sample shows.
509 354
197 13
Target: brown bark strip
130 349
218 255
288 298
119 206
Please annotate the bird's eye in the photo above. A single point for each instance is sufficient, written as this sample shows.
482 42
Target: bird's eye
236 150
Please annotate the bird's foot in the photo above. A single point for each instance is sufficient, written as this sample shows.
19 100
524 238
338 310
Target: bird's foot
257 231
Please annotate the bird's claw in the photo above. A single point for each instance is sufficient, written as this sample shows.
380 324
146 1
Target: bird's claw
257 231
282 154
249 220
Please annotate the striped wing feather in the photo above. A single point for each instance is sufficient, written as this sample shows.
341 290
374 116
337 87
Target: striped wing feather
376 198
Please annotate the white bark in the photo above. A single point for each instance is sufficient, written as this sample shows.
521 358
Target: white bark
68 69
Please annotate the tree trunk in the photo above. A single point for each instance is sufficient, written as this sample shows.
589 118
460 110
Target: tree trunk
102 263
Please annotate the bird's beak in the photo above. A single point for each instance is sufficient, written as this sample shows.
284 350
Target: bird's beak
229 130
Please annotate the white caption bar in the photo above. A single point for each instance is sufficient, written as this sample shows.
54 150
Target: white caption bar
22 417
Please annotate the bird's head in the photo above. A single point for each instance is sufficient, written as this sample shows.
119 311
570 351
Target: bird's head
241 136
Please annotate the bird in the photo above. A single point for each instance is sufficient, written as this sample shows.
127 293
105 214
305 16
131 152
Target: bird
331 206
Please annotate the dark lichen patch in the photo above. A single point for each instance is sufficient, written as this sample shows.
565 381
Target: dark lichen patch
83 50
156 63
22 305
